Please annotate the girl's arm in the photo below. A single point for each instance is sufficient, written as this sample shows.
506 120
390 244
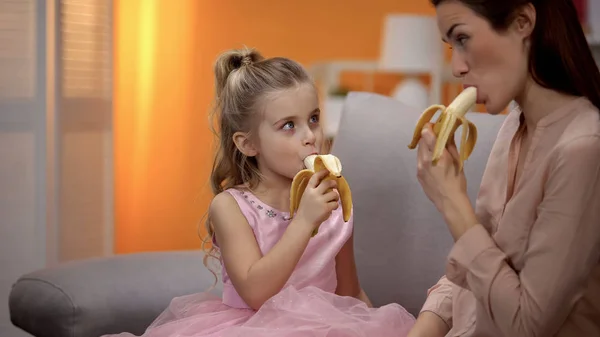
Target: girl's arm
255 277
347 277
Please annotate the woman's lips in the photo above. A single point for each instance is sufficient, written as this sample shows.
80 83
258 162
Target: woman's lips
480 99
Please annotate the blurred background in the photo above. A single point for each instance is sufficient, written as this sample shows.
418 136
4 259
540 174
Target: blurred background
104 140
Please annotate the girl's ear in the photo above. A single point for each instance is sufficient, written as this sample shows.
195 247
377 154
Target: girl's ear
244 144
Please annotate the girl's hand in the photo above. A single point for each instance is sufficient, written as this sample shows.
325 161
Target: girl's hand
444 184
319 200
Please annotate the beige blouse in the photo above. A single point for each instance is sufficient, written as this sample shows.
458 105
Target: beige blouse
532 265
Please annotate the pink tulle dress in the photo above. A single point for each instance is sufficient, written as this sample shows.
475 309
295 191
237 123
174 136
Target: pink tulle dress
306 306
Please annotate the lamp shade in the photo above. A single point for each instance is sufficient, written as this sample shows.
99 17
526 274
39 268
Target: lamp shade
410 44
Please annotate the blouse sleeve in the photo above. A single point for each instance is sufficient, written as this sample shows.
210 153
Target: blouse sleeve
439 300
564 247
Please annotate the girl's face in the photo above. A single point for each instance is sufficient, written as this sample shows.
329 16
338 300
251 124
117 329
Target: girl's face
494 62
289 131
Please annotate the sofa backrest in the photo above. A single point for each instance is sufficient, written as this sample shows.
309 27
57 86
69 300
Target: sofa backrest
401 240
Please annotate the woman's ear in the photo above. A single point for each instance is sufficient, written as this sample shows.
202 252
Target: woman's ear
524 22
244 144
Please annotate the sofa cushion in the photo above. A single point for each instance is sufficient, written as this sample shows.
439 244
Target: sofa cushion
401 240
92 297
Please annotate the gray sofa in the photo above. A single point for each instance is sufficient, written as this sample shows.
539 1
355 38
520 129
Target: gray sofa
401 240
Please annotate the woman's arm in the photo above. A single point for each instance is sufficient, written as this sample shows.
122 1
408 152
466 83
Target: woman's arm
429 324
347 276
564 247
256 278
435 318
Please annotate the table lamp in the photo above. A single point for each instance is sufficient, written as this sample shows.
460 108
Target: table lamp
411 45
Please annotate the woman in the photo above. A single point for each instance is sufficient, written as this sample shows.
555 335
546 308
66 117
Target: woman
526 261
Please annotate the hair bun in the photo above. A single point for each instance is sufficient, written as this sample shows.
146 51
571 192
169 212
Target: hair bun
246 60
245 57
232 60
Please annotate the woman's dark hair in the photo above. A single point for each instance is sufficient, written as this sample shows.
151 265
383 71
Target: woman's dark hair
560 57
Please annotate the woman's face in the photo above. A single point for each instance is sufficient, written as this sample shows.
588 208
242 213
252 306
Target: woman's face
494 62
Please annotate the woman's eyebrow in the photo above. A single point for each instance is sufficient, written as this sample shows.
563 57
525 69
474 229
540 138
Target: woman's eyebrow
450 30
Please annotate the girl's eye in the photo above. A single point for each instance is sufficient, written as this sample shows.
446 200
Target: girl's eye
314 119
288 125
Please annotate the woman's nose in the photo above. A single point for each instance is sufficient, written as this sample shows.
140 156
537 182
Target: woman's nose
459 66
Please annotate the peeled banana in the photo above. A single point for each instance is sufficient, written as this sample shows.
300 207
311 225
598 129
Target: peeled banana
447 123
316 163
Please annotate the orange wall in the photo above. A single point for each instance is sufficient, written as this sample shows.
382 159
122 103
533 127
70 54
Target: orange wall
164 51
160 132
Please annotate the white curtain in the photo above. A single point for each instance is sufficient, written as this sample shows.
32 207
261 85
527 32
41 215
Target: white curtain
55 136
84 128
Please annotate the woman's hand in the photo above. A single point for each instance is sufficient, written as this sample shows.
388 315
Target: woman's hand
444 184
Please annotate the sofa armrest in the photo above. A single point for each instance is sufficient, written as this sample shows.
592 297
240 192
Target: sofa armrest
123 293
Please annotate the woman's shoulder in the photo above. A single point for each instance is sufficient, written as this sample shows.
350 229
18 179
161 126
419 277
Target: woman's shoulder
580 136
585 121
582 129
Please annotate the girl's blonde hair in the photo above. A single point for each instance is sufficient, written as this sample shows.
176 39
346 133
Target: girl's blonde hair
243 80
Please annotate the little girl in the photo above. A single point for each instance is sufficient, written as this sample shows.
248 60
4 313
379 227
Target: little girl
277 279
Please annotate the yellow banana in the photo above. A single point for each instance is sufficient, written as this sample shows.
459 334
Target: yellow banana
447 123
316 163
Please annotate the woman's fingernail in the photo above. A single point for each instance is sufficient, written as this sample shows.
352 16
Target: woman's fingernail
427 134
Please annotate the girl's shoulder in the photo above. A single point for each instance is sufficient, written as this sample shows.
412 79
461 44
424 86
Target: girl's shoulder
241 198
230 208
227 200
241 195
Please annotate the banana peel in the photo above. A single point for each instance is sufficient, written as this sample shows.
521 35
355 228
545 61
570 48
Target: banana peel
446 125
316 163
